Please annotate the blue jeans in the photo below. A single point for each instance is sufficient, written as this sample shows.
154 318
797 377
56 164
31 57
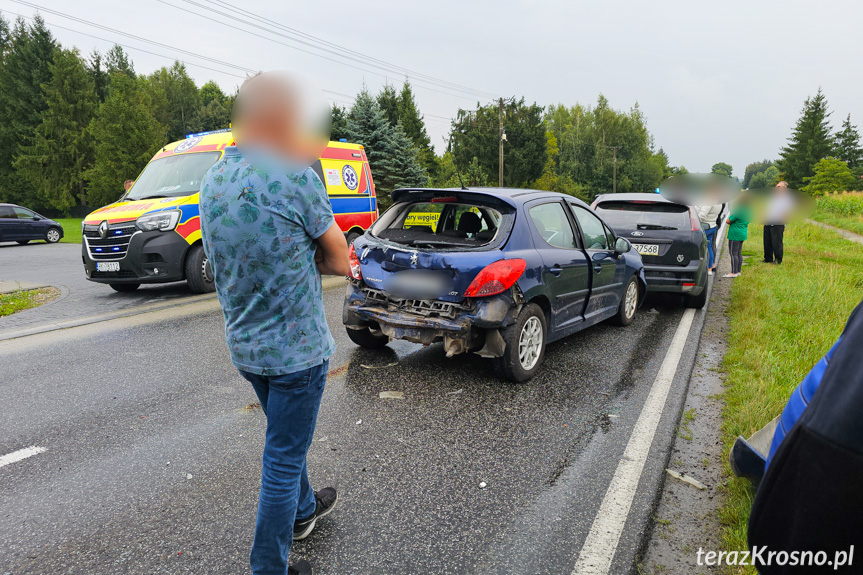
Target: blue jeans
711 240
291 404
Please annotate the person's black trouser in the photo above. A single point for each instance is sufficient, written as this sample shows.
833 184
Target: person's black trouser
773 248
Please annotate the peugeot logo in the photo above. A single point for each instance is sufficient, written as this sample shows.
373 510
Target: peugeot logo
103 229
639 234
414 258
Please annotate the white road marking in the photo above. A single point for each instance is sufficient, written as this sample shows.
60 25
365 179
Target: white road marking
20 454
601 544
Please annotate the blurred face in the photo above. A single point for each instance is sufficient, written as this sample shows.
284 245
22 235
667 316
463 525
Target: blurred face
276 114
128 184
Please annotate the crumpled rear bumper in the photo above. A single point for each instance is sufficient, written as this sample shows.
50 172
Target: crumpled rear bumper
465 325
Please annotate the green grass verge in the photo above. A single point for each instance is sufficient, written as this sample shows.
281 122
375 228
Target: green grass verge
850 223
25 299
71 230
782 320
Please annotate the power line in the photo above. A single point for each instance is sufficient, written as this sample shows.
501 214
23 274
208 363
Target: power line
370 59
257 35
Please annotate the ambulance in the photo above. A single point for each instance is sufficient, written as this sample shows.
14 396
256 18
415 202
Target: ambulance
152 234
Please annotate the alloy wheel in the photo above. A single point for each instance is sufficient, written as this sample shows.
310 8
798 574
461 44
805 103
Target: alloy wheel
631 301
530 343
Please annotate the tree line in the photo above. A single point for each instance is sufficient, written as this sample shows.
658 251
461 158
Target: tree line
816 158
74 128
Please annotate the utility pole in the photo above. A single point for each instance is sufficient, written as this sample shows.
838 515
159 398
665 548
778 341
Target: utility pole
614 181
500 140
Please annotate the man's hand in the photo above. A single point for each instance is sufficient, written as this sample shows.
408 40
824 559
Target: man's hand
332 253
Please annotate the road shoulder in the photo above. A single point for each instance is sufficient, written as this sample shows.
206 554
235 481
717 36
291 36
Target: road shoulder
687 515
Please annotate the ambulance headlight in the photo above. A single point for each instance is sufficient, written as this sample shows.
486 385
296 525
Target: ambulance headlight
162 221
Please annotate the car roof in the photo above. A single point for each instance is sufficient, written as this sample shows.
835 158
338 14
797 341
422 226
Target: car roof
513 196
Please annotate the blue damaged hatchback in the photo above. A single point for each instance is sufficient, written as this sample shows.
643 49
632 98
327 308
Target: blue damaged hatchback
495 271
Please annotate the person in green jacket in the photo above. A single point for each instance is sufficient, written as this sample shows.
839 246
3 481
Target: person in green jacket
738 225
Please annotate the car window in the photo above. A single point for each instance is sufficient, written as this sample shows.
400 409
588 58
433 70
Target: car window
461 210
423 216
24 214
610 235
7 213
553 225
592 228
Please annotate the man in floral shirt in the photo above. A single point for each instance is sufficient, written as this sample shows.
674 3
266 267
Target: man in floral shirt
264 213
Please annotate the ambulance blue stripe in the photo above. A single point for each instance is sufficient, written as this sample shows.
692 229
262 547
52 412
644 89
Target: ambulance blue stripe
352 205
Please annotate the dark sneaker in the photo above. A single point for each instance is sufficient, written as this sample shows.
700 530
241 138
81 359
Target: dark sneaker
325 500
300 568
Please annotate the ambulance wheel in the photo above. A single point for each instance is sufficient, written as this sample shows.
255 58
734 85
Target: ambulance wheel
199 273
352 236
123 288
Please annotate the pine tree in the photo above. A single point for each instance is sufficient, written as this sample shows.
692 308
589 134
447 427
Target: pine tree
96 66
388 100
62 149
404 171
126 136
391 155
339 127
810 141
118 61
848 144
413 124
26 67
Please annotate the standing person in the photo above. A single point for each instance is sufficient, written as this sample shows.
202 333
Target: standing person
738 226
778 208
264 212
710 215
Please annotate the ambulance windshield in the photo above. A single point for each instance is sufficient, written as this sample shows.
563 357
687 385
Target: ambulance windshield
173 176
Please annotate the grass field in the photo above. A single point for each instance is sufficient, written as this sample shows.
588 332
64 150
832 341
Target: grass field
71 230
783 318
25 299
842 210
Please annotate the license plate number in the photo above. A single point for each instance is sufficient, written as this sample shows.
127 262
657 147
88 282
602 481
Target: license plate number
108 266
647 249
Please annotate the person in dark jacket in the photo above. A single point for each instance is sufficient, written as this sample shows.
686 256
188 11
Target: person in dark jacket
811 497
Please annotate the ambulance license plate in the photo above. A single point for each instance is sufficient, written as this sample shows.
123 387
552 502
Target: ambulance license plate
108 266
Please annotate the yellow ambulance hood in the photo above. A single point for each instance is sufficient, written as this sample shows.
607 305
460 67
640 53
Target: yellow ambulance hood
125 211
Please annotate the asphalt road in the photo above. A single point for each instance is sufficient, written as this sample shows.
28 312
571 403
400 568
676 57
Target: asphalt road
60 265
152 450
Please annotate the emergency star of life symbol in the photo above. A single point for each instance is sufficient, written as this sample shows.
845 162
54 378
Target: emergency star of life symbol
349 175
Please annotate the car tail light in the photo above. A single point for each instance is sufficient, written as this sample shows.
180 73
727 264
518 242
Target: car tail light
688 286
693 219
354 262
496 278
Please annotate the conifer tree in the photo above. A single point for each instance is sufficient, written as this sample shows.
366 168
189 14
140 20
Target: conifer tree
62 149
848 144
810 141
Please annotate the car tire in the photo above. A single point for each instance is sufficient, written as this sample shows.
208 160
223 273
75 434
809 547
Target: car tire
365 338
124 288
52 236
525 345
352 236
23 242
696 301
628 303
199 273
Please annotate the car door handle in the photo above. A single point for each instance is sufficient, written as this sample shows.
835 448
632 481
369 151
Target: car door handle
556 270
597 268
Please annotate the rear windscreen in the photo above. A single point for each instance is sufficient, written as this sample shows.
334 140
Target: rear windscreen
439 224
644 216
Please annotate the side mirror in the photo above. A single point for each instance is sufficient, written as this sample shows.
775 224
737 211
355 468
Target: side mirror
622 245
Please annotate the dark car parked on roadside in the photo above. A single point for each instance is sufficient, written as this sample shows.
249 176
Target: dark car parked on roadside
498 272
21 225
669 237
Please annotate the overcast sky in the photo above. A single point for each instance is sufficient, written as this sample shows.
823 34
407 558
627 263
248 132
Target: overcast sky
718 81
